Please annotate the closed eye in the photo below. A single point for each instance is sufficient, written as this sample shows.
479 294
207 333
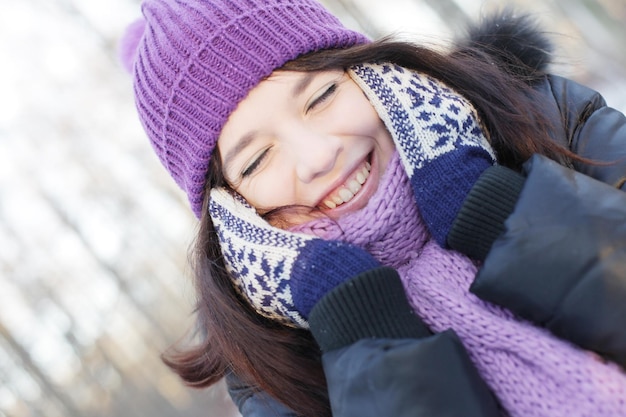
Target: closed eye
255 164
322 97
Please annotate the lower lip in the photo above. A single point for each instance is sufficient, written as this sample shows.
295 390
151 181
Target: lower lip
360 200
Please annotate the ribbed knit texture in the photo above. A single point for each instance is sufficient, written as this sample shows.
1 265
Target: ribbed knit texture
532 372
345 315
197 59
481 218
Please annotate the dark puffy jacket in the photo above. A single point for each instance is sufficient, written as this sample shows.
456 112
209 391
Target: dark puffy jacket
560 262
554 248
378 355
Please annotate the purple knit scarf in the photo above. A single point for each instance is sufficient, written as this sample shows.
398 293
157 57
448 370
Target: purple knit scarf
532 372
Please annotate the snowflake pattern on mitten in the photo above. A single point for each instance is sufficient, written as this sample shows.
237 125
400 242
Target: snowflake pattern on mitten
282 274
258 257
437 133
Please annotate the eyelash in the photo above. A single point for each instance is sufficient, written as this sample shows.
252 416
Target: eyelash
325 95
255 164
321 99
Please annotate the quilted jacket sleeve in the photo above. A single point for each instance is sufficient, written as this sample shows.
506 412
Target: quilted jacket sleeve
591 129
561 261
252 402
380 359
583 122
553 240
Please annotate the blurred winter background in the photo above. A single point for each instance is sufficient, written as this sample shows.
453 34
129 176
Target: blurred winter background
93 234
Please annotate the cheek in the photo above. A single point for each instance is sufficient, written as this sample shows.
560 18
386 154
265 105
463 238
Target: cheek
360 110
268 191
374 127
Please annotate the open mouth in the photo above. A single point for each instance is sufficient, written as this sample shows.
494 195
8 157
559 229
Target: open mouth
347 191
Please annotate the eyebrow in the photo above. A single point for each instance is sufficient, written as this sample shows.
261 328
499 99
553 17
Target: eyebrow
241 144
303 84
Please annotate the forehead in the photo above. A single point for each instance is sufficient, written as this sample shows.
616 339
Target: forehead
281 94
264 99
286 82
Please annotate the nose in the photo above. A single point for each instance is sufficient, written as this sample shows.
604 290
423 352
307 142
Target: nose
316 155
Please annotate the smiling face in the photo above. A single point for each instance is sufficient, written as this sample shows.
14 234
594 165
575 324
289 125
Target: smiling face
305 139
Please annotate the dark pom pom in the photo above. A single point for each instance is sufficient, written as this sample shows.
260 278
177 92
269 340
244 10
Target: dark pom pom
516 41
130 42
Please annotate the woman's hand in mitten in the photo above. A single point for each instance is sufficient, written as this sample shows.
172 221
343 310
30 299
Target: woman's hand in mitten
282 274
437 134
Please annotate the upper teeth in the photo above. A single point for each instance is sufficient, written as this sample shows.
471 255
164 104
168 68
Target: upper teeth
347 191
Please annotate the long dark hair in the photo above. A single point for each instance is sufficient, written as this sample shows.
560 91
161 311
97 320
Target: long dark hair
284 361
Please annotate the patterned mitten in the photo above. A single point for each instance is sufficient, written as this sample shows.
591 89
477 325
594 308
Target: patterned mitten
282 274
437 134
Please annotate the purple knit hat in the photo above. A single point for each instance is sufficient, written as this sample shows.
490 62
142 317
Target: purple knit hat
193 61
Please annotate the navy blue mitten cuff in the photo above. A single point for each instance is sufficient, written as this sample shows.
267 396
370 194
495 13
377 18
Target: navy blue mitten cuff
321 266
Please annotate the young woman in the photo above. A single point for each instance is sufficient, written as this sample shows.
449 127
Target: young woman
328 172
